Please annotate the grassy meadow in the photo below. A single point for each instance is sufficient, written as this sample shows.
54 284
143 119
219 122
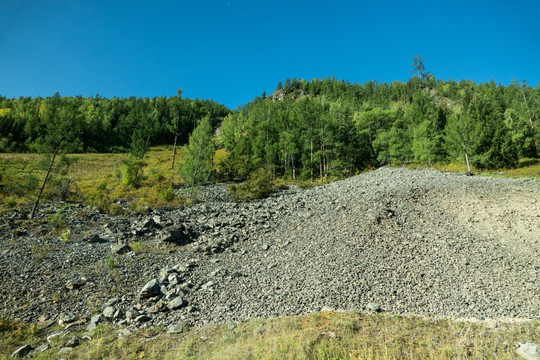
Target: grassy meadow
93 179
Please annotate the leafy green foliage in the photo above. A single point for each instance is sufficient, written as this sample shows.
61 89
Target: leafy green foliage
167 194
328 128
58 220
198 155
97 124
259 185
492 146
132 171
305 130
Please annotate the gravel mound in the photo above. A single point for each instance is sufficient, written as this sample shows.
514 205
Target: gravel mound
396 240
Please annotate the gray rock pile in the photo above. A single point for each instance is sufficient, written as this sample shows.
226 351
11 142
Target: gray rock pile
396 240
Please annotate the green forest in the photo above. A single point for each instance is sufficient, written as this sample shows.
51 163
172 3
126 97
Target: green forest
305 129
97 124
317 128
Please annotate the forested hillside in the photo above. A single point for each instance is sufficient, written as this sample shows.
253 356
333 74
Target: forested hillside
322 127
97 124
304 129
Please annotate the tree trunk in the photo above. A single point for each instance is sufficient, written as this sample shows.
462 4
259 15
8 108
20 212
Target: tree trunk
147 142
174 152
293 170
325 161
311 159
34 208
321 169
467 161
527 106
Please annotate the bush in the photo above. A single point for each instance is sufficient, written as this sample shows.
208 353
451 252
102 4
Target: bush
167 194
100 199
11 202
58 220
139 247
259 185
111 264
132 172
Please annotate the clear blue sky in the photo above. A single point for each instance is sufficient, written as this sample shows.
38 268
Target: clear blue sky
233 50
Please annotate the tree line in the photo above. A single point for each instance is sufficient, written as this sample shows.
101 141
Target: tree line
329 127
303 130
98 124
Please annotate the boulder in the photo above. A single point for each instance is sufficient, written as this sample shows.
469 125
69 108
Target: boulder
176 328
177 234
22 351
120 249
151 289
76 283
176 303
528 351
108 312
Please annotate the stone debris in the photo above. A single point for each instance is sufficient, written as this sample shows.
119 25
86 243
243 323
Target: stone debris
409 242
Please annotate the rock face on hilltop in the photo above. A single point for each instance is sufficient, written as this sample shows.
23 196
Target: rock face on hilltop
395 240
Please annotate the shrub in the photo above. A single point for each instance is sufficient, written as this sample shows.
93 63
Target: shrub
259 185
167 194
58 220
115 209
139 247
110 263
11 202
132 172
66 236
100 199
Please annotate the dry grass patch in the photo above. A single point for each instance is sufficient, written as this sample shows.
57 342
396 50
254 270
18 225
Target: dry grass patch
325 335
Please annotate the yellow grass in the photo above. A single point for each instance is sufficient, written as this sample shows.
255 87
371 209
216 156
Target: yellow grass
326 335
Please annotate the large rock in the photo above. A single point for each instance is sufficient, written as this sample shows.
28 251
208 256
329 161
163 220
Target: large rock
528 351
151 289
76 283
149 223
120 249
22 351
108 312
93 238
41 348
72 342
176 303
178 234
94 321
176 328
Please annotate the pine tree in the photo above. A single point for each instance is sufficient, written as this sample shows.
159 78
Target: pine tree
198 156
492 145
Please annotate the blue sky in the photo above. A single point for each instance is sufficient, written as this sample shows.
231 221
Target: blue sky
233 50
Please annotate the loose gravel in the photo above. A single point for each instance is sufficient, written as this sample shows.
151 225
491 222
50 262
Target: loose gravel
395 240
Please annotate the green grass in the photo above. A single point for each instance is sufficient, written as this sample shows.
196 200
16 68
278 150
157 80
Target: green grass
96 179
326 335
